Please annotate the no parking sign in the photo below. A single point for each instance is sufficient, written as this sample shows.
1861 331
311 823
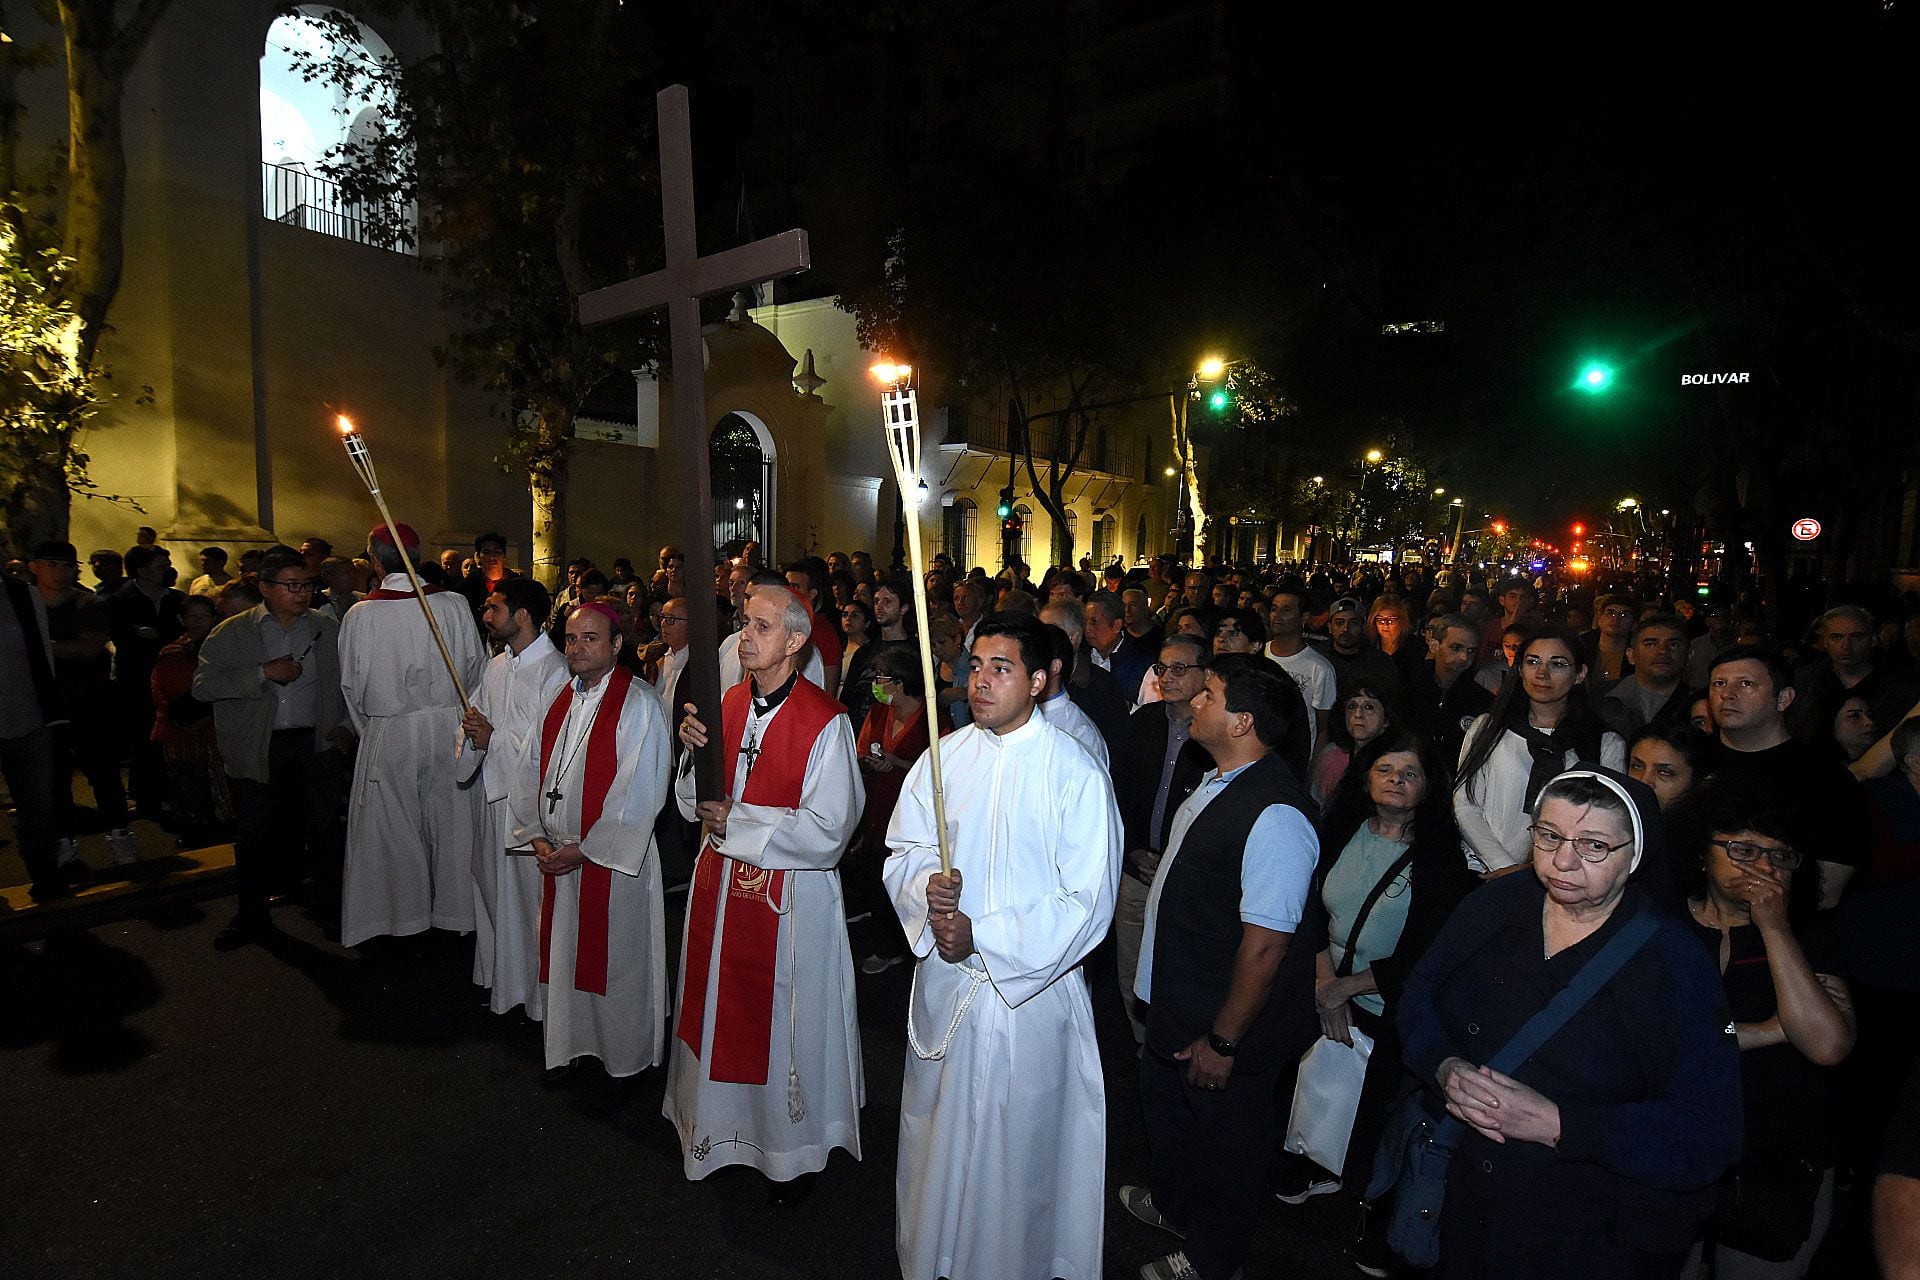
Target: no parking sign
1806 529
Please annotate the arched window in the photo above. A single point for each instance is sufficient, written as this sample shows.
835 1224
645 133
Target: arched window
1104 549
1140 539
959 524
1068 551
325 83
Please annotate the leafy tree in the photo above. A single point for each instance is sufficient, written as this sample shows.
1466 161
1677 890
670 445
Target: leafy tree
524 140
57 301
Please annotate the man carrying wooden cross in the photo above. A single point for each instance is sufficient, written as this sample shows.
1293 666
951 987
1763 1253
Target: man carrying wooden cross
765 1068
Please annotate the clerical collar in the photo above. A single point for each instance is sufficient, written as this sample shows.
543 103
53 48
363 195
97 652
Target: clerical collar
764 706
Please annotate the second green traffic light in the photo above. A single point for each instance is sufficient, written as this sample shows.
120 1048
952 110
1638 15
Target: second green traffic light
1596 378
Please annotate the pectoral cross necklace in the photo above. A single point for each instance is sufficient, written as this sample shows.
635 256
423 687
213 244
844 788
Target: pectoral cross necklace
555 795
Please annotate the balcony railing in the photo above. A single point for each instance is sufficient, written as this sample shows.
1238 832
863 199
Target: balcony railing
291 195
990 435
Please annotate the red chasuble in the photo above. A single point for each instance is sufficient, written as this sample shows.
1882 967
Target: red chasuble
749 926
596 881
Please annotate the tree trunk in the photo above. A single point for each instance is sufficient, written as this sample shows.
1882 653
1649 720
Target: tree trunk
547 484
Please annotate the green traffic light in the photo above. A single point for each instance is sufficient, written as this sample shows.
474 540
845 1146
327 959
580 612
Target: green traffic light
1005 511
1219 400
1596 378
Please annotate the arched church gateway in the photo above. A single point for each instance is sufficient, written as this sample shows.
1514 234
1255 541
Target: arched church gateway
741 473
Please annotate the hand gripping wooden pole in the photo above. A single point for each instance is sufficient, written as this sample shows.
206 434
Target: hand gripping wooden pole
900 407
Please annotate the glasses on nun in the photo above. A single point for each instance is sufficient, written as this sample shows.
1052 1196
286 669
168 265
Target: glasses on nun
1547 840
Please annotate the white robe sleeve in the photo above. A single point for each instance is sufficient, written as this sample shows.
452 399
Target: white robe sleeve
1025 946
354 659
622 837
813 836
914 853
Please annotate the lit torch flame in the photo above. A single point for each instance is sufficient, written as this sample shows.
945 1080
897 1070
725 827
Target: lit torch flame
893 374
345 424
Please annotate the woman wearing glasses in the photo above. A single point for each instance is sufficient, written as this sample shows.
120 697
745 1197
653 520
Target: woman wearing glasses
1597 1156
1543 722
1755 904
1363 713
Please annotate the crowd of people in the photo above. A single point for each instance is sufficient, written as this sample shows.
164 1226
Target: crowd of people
1355 834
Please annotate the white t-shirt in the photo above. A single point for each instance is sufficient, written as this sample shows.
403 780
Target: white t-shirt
1316 678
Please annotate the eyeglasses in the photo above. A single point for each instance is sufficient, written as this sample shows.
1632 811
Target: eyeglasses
298 586
665 618
1547 840
1783 857
1533 662
1176 669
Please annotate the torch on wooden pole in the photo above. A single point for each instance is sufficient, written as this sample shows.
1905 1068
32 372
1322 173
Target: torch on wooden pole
900 408
362 459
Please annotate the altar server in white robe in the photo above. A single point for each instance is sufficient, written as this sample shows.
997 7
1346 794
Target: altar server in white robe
765 1063
503 748
603 780
1003 1114
411 826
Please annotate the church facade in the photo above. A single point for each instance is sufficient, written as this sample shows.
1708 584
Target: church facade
257 303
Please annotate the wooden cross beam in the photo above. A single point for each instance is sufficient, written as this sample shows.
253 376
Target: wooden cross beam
678 287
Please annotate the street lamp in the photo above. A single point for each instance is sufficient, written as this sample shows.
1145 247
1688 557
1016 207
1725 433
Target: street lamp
1212 367
1375 456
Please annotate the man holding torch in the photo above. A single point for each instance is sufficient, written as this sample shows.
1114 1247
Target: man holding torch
1003 1117
411 827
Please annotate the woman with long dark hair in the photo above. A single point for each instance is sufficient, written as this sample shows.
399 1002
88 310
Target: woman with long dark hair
1544 721
1364 711
1390 875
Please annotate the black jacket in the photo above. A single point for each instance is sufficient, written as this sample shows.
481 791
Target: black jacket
1136 775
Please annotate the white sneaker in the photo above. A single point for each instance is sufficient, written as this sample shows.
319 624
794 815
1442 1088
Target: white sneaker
126 849
1174 1267
1138 1201
65 851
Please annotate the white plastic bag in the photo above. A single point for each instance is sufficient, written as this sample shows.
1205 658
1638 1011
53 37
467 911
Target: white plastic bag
1326 1096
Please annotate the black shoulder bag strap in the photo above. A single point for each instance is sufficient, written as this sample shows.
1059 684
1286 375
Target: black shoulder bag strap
1345 967
1542 1026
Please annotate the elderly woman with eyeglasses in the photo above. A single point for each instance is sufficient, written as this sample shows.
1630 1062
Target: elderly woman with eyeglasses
1543 722
1754 904
1598 1156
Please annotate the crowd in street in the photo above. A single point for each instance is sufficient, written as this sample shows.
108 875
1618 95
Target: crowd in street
1558 930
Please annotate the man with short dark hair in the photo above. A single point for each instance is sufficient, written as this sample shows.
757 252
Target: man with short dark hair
1347 648
1229 1000
213 572
1003 1109
272 674
1288 649
1749 689
1656 691
1084 703
504 729
1441 698
1142 627
601 774
489 571
1847 668
808 580
109 572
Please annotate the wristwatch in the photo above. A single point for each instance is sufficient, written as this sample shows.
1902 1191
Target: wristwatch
1221 1045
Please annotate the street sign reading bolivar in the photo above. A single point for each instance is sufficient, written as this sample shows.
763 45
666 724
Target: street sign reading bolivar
1806 529
1714 379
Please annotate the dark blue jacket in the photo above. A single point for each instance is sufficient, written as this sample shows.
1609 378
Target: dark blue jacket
1646 1074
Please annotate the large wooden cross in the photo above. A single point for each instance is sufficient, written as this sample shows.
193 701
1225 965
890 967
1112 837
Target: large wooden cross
678 287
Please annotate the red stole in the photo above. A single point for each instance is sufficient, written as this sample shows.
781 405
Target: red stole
750 923
383 594
596 881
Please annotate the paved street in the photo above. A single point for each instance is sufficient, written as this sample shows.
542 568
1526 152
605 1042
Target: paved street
306 1113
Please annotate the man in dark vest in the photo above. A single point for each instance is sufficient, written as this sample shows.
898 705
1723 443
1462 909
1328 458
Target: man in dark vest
1229 1001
